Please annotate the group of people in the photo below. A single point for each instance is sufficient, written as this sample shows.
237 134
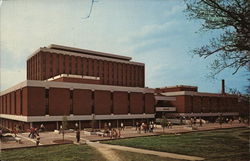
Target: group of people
145 127
33 132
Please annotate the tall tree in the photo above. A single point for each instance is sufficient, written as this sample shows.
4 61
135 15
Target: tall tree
232 18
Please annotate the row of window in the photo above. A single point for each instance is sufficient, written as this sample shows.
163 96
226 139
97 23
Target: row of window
122 74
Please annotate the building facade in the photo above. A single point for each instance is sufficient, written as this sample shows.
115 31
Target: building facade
186 101
83 85
110 69
93 88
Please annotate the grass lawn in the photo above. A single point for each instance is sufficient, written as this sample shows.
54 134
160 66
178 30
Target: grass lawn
221 145
130 156
68 152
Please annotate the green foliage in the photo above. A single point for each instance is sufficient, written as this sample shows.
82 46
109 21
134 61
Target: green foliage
64 125
231 17
164 122
64 122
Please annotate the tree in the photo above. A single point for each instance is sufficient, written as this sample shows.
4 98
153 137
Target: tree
164 122
231 17
64 125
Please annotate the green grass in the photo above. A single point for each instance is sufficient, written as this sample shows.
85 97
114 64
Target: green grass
229 144
67 152
130 156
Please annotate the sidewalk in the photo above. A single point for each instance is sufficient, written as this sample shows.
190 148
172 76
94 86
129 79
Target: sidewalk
47 138
144 151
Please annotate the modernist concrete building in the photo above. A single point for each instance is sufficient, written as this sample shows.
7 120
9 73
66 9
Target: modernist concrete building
80 84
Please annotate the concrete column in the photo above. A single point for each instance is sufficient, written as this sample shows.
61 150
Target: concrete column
117 123
80 126
99 126
57 126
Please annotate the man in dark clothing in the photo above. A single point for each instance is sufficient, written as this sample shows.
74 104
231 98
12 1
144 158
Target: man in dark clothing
78 136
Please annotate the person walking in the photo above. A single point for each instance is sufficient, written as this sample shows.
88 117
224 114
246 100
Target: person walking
42 128
109 125
37 141
122 126
76 126
136 126
78 136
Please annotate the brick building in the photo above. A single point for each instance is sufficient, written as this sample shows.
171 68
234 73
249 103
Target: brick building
89 86
186 101
80 84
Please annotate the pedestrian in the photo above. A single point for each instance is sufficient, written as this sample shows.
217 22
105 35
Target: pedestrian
122 126
136 126
151 127
76 126
109 125
111 133
191 122
78 136
37 141
119 132
60 130
139 129
200 122
42 128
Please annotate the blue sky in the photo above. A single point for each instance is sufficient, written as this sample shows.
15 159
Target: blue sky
155 32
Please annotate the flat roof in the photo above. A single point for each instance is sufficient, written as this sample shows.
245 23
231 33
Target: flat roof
70 85
177 86
91 52
87 54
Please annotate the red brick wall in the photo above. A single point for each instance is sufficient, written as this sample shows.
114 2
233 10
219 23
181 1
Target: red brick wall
188 103
120 102
179 103
214 104
43 66
59 101
8 103
136 103
205 104
18 102
25 101
13 105
36 101
197 104
149 103
102 102
82 102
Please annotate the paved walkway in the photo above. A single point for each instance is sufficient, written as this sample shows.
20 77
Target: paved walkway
47 138
144 151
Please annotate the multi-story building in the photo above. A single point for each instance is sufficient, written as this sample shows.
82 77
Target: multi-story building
93 88
186 101
83 85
